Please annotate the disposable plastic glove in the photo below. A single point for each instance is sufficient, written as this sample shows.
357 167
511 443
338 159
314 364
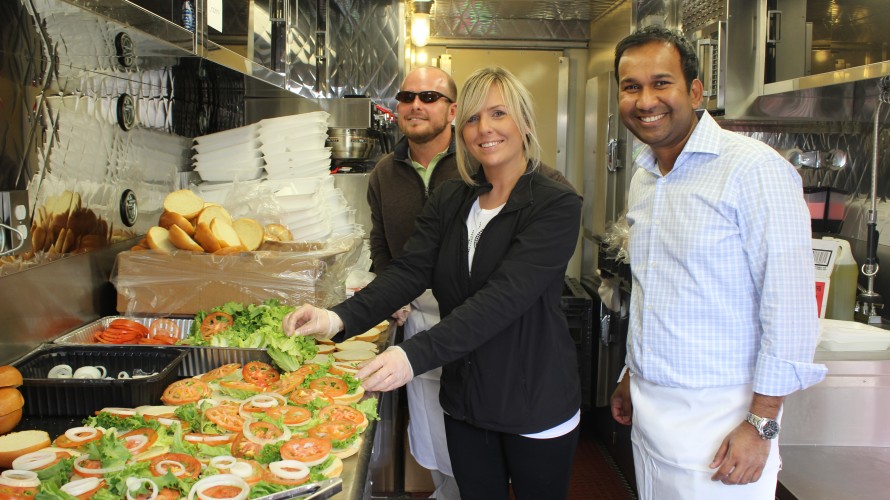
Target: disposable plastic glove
609 292
401 315
387 371
310 320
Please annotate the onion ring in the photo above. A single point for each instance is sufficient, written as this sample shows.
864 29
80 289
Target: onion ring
284 469
267 400
223 462
219 480
60 371
159 467
249 435
34 460
20 478
208 439
78 434
81 486
134 483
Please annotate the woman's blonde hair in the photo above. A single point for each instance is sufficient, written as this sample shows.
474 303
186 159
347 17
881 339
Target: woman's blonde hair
520 109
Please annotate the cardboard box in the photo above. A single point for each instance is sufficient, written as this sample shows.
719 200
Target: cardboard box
184 283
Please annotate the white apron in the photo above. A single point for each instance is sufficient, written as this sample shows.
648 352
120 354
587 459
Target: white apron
426 425
676 433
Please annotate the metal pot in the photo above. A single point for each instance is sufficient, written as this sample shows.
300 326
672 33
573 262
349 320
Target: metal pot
350 143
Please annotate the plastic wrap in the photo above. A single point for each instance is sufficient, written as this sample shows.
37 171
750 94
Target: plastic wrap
616 239
183 283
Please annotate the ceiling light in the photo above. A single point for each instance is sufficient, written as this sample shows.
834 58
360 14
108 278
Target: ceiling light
420 22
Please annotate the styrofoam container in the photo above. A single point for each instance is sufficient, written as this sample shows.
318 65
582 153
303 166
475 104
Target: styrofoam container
237 135
237 153
244 164
837 335
217 175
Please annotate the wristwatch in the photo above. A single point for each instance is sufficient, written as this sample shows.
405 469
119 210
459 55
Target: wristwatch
766 427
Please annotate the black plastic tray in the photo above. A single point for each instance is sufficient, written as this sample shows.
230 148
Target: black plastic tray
46 397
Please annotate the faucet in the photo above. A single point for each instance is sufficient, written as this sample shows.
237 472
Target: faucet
833 160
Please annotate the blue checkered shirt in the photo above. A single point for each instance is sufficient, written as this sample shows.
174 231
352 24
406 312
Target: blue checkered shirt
722 262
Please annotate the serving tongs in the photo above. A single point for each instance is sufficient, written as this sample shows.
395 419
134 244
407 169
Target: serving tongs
313 491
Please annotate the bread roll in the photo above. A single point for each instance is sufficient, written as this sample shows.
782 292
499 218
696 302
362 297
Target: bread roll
357 345
350 398
182 240
10 400
168 219
355 355
158 239
211 212
16 444
184 202
10 376
250 232
10 420
230 250
369 336
277 232
225 234
204 237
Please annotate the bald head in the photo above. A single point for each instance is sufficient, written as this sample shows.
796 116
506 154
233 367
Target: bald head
441 81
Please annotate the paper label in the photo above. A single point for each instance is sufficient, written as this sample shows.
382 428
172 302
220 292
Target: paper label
214 15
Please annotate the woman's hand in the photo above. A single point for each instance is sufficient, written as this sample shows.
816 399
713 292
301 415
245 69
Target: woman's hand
387 371
310 320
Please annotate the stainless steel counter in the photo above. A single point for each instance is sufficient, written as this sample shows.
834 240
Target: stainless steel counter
835 443
834 472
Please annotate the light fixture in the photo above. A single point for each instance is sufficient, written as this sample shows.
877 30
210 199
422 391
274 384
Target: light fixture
420 22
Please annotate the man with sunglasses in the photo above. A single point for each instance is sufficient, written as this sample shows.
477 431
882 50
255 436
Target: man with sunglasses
398 187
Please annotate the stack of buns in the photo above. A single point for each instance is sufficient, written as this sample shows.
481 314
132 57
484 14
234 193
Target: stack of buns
190 223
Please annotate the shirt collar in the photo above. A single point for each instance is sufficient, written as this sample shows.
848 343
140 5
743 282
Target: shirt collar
705 139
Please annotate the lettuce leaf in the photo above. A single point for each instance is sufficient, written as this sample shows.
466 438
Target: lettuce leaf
368 406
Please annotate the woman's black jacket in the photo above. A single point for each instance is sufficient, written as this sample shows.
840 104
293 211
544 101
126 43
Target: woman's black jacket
509 362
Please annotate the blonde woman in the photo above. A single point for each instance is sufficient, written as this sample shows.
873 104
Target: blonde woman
493 247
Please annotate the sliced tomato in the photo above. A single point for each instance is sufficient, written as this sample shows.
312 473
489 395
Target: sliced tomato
265 430
259 373
330 386
89 494
342 412
335 430
287 383
15 492
244 448
290 415
64 441
164 494
242 386
179 464
304 396
305 449
222 491
90 464
215 322
164 327
226 417
220 372
139 440
309 369
187 390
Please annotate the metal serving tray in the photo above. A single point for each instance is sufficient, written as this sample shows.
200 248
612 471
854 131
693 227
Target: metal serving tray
198 360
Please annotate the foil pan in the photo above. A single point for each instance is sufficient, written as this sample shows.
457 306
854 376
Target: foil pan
198 360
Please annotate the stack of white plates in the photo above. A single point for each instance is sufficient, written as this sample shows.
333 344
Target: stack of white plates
231 155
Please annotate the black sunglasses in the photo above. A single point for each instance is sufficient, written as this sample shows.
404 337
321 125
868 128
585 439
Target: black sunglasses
427 96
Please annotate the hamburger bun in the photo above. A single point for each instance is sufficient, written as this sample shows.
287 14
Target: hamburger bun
350 397
204 237
369 336
10 420
158 239
184 202
10 376
353 355
359 345
170 219
10 400
250 232
335 469
344 453
16 444
325 348
182 240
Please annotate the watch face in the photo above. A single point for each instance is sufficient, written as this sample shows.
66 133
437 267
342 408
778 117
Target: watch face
770 429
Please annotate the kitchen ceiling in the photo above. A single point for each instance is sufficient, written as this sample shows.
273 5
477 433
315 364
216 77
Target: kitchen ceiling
561 10
536 20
